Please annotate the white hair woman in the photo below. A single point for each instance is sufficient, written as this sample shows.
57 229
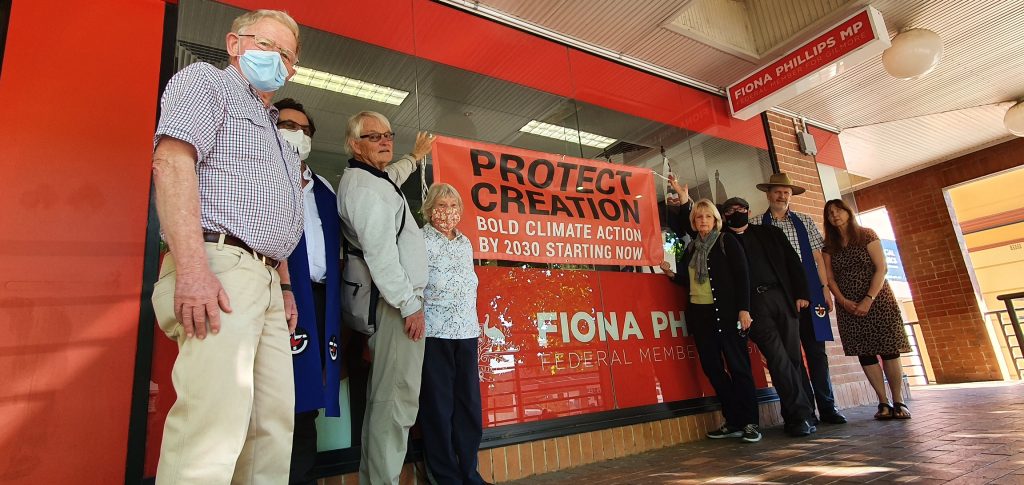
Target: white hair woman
450 393
718 316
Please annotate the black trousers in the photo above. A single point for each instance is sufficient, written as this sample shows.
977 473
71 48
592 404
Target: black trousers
304 435
450 411
820 383
725 359
776 331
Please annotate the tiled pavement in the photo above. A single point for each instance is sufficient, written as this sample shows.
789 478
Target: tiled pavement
959 434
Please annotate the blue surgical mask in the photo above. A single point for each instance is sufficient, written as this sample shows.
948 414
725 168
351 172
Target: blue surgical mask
264 69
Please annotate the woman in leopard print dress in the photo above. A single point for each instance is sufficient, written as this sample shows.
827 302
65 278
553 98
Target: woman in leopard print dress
870 323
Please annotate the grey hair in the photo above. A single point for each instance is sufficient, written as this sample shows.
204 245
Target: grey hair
436 192
249 18
706 205
354 129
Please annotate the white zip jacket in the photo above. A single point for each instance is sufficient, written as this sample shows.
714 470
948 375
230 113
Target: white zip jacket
371 214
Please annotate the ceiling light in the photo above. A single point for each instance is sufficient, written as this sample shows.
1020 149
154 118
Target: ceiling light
1014 119
913 54
349 86
567 134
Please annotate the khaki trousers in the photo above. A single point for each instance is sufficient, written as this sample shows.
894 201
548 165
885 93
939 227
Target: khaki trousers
232 421
392 398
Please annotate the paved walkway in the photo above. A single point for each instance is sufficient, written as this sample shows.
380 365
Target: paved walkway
970 434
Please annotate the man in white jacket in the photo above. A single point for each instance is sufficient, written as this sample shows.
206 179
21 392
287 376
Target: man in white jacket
376 220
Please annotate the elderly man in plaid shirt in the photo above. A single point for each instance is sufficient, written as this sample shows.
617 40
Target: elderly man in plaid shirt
230 206
815 327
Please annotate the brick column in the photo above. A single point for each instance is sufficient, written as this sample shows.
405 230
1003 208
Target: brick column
850 385
947 307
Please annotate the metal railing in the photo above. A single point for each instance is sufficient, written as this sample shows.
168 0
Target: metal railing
915 372
1009 323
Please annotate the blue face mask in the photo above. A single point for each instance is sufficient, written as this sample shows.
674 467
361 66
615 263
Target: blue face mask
264 69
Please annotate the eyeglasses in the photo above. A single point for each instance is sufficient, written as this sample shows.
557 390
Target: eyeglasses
375 137
265 44
741 210
293 126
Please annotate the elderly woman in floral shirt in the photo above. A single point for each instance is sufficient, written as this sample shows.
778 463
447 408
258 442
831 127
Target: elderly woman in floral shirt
450 411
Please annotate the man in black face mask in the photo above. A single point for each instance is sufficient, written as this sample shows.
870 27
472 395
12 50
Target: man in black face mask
778 292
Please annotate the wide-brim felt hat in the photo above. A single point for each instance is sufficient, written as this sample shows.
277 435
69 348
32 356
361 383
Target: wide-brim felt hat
781 179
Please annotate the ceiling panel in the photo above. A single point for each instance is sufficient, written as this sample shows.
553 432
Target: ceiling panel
983 64
612 24
885 149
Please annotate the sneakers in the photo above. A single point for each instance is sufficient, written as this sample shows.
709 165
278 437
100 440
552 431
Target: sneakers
750 434
726 432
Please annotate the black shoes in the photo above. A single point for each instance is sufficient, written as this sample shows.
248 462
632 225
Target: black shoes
833 418
800 428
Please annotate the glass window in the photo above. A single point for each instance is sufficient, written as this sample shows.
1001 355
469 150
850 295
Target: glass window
416 94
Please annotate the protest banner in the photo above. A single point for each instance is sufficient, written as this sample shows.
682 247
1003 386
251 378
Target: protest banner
523 205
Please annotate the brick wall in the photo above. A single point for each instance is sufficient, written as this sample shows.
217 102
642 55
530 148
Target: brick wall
947 308
847 376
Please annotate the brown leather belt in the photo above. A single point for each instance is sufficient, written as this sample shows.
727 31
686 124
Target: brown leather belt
238 243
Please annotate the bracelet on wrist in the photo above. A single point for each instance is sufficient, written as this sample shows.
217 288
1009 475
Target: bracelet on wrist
870 297
286 287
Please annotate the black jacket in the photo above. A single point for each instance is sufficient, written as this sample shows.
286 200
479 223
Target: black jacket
727 268
781 258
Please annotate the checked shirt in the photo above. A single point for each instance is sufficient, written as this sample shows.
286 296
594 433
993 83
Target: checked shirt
248 175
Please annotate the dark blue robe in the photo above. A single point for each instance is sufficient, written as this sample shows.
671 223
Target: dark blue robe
315 386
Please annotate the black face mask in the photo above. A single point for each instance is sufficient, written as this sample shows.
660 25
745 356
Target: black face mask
737 219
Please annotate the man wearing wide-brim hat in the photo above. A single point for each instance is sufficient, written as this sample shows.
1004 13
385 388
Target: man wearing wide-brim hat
815 327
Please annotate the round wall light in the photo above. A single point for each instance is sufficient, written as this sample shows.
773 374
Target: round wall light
913 54
1014 119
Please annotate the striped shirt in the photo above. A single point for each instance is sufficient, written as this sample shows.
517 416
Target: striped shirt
813 234
248 175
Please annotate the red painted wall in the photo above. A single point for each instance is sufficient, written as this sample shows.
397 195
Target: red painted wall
78 91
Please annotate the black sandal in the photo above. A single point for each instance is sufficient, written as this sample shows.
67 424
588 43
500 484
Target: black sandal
900 411
885 411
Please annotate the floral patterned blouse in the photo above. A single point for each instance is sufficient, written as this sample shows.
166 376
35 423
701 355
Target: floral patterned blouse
450 295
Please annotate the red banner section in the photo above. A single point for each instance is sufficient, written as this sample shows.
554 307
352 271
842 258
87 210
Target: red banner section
522 205
553 344
853 40
564 343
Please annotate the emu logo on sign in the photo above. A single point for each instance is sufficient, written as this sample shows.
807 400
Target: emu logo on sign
820 311
300 340
332 346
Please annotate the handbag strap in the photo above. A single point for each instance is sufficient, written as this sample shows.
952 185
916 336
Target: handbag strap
347 246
